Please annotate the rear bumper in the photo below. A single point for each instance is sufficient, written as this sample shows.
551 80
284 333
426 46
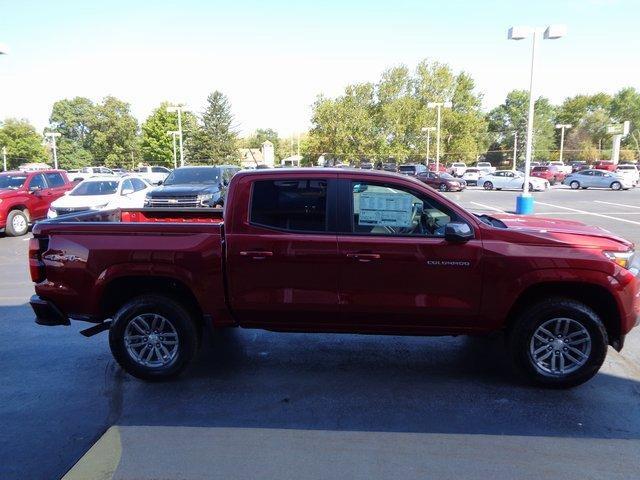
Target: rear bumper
47 313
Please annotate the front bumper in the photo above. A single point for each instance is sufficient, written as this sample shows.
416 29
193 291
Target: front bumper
47 313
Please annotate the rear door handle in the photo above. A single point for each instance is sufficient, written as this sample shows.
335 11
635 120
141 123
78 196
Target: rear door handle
364 257
256 254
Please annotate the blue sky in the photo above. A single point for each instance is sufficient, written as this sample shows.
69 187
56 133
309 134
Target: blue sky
273 57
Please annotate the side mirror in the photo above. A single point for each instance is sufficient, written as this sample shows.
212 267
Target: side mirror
160 182
127 191
458 232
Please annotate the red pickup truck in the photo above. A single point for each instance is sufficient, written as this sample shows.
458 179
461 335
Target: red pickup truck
328 250
26 197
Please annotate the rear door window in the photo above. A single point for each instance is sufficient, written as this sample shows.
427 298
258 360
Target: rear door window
55 179
298 205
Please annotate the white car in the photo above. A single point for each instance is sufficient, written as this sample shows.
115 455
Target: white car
457 169
510 180
101 193
471 175
88 172
485 167
566 169
153 175
629 172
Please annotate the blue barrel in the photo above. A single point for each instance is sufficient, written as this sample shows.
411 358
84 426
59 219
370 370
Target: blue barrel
524 205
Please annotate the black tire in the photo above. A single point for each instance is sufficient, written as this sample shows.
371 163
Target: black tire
616 186
574 184
178 317
17 223
487 185
521 336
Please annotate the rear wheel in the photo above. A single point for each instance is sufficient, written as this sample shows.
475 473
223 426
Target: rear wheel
558 342
443 187
153 337
488 186
17 223
616 186
575 185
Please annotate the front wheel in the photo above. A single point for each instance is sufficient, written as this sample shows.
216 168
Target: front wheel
17 223
488 186
558 342
153 337
443 187
574 185
616 186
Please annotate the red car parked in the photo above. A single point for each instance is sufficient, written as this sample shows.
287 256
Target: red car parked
605 165
444 182
329 250
550 173
26 197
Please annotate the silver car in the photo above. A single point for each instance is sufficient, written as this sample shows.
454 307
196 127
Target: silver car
593 178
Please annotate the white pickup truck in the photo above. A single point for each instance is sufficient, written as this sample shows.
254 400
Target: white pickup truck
457 169
88 172
566 169
485 167
153 175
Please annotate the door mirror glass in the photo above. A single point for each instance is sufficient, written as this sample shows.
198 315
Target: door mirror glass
457 232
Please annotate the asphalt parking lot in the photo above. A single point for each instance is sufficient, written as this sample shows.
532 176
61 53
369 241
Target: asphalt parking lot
411 407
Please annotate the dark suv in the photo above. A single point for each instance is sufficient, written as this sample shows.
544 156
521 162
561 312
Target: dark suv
193 187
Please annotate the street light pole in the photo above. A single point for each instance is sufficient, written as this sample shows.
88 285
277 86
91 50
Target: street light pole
524 202
562 127
515 149
52 136
172 109
173 134
428 130
438 106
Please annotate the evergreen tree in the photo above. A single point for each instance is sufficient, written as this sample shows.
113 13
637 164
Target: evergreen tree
216 141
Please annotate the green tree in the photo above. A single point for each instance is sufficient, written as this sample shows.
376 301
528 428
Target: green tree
216 141
114 141
625 106
71 155
511 117
156 145
74 119
22 142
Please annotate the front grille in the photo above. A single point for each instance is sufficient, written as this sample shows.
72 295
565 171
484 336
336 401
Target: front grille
65 211
177 202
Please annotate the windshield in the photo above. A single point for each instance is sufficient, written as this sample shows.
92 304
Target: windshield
447 176
102 187
540 169
204 175
407 168
12 182
484 164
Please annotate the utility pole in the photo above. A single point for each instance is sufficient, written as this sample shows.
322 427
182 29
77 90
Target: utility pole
438 106
173 134
562 127
52 136
515 149
428 130
4 159
178 109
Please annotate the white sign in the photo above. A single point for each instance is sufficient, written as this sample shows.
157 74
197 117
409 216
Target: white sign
386 209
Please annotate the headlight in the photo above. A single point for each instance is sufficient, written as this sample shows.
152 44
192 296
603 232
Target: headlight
203 199
624 259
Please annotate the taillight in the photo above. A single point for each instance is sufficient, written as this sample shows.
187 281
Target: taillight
36 266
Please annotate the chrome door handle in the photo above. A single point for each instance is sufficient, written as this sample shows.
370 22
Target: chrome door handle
364 257
256 254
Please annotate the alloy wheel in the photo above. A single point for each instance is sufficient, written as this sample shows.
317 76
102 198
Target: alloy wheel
151 340
560 346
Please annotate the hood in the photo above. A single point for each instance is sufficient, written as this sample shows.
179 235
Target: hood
563 231
77 201
9 192
179 190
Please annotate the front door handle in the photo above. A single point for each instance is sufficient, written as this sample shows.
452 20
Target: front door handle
256 254
364 257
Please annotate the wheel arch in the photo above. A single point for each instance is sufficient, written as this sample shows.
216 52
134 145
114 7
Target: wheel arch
595 296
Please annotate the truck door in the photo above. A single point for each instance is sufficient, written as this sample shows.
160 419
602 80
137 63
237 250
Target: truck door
397 269
282 255
40 197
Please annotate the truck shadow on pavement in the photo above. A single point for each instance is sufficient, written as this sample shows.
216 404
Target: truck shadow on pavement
382 383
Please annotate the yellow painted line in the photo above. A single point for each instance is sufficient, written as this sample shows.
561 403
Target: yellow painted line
101 461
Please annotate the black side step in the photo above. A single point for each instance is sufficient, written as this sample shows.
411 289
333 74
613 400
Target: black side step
96 329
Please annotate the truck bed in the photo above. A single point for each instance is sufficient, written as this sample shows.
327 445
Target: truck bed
85 255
